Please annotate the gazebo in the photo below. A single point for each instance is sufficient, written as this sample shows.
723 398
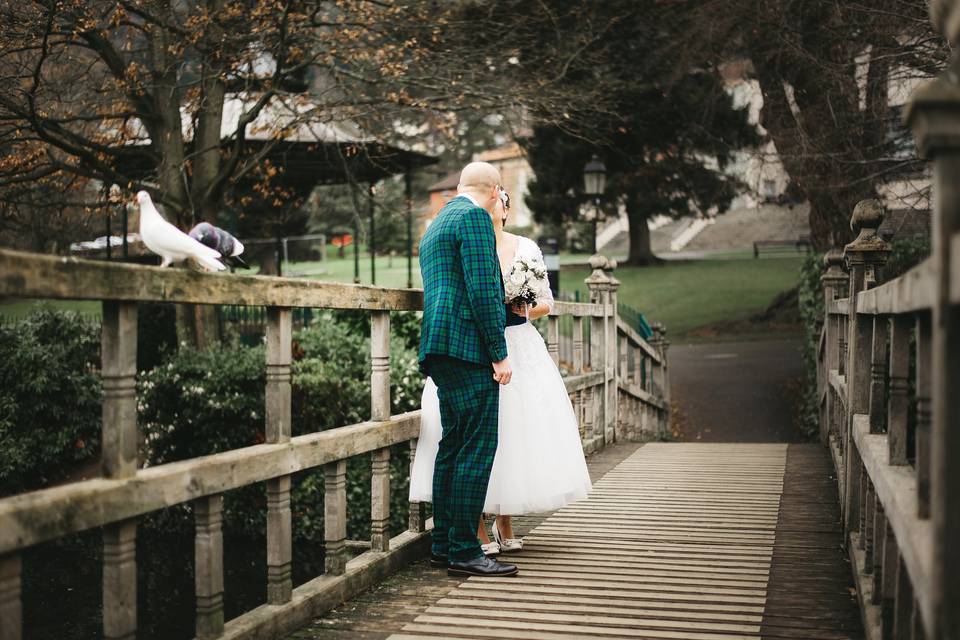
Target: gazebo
306 152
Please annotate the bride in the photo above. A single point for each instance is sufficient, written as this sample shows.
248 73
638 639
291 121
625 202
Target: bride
539 465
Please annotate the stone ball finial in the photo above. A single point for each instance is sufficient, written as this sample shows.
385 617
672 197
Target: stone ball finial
611 264
598 261
833 258
868 214
945 16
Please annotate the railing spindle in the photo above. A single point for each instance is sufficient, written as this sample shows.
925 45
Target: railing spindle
335 517
380 365
417 521
903 603
11 608
898 402
208 555
553 338
924 407
380 500
119 460
878 371
279 334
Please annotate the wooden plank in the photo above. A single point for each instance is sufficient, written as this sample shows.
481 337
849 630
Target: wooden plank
30 275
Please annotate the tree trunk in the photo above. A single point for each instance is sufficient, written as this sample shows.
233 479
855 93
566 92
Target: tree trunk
641 253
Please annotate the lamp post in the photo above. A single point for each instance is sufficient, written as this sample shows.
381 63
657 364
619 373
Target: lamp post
594 184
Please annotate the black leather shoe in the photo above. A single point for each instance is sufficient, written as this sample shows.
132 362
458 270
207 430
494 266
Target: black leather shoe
483 567
438 561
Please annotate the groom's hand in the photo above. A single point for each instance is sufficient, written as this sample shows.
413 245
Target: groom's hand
502 371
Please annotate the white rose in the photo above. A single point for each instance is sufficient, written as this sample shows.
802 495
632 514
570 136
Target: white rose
517 278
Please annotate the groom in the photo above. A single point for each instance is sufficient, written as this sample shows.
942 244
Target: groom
462 348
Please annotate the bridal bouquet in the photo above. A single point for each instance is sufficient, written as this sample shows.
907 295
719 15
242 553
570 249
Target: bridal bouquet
527 281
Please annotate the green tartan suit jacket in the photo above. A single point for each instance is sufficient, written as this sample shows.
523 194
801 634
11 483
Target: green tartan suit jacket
463 310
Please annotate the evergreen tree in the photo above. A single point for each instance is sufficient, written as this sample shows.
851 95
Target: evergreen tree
670 134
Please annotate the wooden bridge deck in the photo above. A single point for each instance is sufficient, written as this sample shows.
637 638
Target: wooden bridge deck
675 541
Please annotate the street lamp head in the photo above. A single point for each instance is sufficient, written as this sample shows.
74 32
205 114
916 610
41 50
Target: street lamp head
594 177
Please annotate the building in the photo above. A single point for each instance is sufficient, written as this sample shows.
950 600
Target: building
515 174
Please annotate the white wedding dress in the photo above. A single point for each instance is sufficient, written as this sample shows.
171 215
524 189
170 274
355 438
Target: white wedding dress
539 465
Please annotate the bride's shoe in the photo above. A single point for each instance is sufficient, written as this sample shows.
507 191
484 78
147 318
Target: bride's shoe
507 545
491 549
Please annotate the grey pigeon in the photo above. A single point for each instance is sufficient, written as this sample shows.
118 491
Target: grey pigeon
216 238
170 243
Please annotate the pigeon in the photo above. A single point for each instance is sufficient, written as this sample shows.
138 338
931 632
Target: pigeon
223 241
170 243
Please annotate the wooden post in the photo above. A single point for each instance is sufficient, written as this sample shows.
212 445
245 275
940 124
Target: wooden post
553 338
865 256
11 608
335 516
934 114
208 555
119 460
279 332
380 365
924 414
380 500
897 403
418 511
833 281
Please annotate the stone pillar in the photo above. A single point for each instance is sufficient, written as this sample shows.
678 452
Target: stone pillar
660 374
610 333
597 283
865 256
834 282
934 114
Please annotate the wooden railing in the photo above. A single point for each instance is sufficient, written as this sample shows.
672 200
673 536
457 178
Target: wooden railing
884 348
126 492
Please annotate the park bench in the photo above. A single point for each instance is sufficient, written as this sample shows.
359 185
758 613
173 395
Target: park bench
803 242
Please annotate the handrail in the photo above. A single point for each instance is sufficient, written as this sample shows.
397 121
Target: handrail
39 516
913 291
637 340
28 275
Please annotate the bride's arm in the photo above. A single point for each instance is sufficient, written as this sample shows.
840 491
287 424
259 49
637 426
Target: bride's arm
543 306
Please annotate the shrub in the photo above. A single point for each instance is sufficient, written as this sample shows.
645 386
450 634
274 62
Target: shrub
202 402
49 398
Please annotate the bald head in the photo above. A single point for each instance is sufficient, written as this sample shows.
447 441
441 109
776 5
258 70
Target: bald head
480 180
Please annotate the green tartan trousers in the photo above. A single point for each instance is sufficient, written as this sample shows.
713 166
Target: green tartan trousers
469 408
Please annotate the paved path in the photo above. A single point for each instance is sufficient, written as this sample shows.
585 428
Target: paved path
736 391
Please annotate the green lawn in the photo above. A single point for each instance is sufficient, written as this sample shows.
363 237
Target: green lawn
684 295
681 294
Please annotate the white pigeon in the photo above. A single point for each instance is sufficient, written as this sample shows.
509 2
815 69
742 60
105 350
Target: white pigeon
170 243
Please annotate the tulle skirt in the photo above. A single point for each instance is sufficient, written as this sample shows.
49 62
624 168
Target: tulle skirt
539 465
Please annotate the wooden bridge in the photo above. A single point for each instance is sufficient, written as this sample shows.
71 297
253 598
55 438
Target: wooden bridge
676 540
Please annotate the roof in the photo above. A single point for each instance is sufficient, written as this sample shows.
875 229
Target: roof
508 151
449 182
